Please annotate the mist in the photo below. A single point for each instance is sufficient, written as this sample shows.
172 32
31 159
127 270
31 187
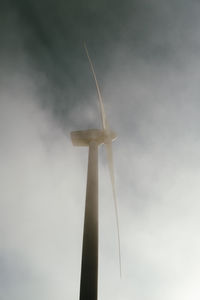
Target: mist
146 57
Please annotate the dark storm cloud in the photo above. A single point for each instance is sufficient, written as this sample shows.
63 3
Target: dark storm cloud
53 31
51 35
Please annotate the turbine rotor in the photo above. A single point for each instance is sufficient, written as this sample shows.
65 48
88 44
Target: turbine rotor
109 137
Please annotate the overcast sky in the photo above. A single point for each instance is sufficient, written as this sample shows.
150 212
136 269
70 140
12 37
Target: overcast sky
146 56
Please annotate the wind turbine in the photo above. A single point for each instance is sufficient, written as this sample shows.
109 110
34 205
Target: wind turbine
92 138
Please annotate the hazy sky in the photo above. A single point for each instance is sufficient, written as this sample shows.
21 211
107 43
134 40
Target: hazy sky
146 56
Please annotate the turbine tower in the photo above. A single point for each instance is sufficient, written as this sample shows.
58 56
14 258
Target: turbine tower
92 138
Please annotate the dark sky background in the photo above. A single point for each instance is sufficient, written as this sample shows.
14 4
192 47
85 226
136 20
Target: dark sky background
146 56
48 36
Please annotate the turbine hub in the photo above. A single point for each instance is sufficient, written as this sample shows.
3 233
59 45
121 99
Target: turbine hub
85 137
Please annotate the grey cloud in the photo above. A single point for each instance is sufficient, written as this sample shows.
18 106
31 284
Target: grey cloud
149 75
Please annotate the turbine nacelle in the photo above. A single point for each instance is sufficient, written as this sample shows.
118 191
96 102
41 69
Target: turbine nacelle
85 137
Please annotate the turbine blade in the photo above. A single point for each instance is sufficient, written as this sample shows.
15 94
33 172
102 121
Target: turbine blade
103 114
108 146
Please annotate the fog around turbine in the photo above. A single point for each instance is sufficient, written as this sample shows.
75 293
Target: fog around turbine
150 87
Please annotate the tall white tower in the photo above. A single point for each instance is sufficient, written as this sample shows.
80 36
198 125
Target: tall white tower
92 138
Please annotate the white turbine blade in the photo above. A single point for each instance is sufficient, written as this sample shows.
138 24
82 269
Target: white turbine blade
103 115
108 146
